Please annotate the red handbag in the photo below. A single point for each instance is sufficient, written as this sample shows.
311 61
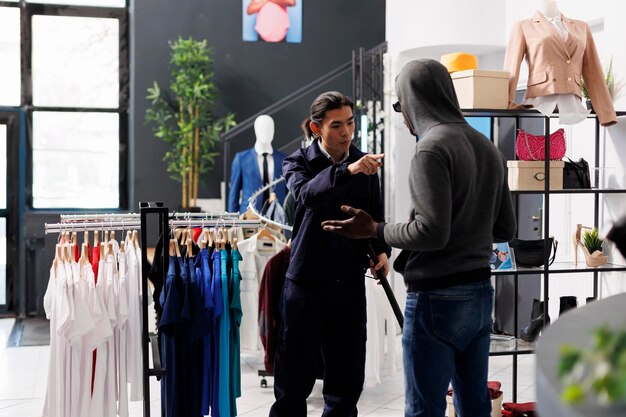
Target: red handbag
529 147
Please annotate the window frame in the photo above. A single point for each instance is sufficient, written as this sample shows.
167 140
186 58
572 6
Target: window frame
27 11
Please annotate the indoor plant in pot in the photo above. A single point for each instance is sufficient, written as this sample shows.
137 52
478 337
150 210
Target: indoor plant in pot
183 116
591 245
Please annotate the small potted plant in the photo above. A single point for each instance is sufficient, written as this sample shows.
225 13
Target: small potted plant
609 78
594 379
591 245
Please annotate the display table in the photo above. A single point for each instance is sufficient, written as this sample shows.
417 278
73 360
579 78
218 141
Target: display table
576 328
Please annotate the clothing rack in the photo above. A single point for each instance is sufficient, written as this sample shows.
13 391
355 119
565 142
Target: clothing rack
166 220
85 225
136 216
252 205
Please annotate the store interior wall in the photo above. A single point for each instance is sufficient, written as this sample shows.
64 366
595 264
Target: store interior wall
249 75
458 22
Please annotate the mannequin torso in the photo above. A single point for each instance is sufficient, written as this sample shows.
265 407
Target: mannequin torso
248 169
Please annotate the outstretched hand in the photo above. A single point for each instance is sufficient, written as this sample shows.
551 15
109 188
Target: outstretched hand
360 226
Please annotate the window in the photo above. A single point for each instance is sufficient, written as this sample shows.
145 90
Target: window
3 260
79 73
75 159
101 3
10 56
75 62
3 167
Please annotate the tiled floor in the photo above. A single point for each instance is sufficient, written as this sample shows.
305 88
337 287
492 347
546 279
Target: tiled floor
23 375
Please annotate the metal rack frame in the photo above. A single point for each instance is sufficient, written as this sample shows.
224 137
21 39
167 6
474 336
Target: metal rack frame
165 222
521 347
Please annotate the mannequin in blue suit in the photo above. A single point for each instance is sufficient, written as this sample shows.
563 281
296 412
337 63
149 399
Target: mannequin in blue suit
246 175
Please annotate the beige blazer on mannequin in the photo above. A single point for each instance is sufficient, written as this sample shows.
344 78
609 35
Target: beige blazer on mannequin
556 66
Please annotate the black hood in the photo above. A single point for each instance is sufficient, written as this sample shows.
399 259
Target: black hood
426 94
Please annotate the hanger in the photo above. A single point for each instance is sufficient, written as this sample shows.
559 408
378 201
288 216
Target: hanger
106 237
211 237
58 254
176 249
96 239
235 243
136 238
112 232
84 255
86 240
265 234
189 244
129 238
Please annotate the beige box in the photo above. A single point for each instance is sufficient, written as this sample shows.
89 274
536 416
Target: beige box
530 175
478 89
496 406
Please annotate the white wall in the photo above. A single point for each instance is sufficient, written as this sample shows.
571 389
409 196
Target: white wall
417 23
416 29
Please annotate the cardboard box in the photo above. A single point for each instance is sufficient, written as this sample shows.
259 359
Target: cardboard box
478 89
496 406
530 175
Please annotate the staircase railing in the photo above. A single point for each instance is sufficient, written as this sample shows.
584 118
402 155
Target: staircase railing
272 109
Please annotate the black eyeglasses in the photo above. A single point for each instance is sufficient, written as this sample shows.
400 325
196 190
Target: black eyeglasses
397 107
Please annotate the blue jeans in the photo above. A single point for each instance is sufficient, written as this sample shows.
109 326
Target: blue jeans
446 338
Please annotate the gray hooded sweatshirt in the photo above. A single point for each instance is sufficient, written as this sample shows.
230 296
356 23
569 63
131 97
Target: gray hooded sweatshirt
458 185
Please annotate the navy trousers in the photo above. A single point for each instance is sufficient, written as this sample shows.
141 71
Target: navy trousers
330 317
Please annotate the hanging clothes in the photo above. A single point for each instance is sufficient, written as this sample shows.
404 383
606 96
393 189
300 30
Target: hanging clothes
218 311
235 322
269 312
203 273
256 253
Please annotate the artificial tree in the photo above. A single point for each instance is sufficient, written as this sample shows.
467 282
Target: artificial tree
183 117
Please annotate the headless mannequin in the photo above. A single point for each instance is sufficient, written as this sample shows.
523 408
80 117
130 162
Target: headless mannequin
548 8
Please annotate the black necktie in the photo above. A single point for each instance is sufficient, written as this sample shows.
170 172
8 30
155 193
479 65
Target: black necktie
266 178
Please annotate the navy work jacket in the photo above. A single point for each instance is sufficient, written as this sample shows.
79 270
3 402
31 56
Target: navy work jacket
320 187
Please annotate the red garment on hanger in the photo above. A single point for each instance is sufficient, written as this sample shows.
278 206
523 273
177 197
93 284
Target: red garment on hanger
95 260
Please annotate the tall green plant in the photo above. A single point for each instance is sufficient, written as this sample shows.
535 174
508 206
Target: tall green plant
183 117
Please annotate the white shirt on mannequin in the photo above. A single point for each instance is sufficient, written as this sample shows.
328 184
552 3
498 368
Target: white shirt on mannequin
264 131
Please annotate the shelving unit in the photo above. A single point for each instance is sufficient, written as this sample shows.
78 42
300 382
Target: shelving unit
516 346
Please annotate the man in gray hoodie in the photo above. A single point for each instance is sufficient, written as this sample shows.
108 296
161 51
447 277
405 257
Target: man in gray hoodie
461 205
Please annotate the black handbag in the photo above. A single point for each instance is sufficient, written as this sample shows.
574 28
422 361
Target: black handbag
576 174
531 252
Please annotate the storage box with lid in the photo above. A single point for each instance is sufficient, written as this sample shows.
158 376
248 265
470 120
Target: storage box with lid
479 89
530 175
